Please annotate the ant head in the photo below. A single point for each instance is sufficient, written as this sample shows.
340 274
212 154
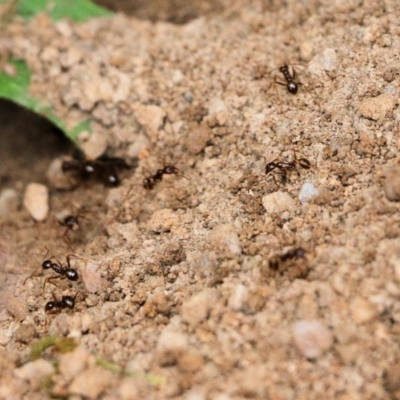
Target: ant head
68 301
148 183
67 166
283 68
47 264
71 222
270 167
71 274
50 306
292 87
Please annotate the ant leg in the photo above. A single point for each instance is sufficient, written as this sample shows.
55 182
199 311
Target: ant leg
33 273
68 242
309 92
178 173
30 276
50 279
275 181
276 81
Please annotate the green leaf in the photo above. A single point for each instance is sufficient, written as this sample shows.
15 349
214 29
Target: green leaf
16 88
76 10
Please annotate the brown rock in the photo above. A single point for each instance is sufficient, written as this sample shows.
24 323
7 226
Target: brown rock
376 108
91 382
25 333
197 138
391 185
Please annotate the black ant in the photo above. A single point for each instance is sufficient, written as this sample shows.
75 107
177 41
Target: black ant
290 80
64 272
283 167
71 224
275 261
149 182
56 306
103 169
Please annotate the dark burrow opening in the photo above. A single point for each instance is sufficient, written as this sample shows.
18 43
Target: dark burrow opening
28 144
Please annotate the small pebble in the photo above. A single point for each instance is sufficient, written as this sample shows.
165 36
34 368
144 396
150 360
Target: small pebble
376 108
323 62
170 346
190 361
278 202
197 138
391 185
128 389
163 221
36 201
218 110
91 277
362 310
73 363
312 338
197 308
224 238
91 382
35 371
307 192
238 298
151 117
95 145
25 333
172 340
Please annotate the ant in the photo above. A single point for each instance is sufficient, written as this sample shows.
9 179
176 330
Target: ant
64 272
102 169
149 182
292 84
71 223
283 167
56 306
275 261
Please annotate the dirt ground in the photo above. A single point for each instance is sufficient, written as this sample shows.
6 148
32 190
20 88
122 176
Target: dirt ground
198 288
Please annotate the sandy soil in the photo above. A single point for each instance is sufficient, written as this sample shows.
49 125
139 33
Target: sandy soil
177 295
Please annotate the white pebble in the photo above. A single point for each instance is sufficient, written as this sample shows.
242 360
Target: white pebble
278 202
218 109
312 338
36 201
322 62
34 371
95 145
224 238
238 298
307 192
362 310
151 117
163 221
